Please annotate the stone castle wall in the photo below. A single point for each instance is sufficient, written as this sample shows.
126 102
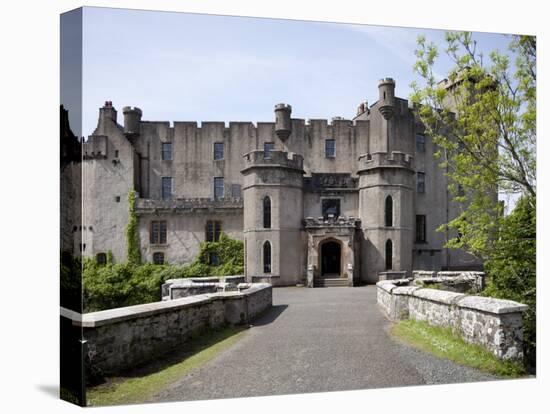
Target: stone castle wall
119 339
495 324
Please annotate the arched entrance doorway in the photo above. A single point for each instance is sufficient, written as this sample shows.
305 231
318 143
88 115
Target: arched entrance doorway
331 259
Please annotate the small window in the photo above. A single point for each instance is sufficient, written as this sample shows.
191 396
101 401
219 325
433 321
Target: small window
82 247
420 143
158 232
167 151
388 212
330 148
267 212
166 188
268 147
389 254
267 257
117 199
116 153
101 259
420 182
330 207
218 151
218 187
158 258
421 228
213 230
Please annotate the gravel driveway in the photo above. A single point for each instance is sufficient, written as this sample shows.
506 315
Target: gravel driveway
316 340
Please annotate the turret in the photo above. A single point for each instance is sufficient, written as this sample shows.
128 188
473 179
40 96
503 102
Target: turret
132 120
283 125
386 89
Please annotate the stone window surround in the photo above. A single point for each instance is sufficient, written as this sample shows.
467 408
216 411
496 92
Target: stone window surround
159 258
166 151
388 211
266 216
265 264
213 229
160 236
323 198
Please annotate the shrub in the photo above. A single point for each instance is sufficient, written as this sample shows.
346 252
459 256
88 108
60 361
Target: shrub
124 284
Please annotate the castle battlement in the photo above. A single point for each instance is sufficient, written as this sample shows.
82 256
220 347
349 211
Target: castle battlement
274 158
383 159
95 147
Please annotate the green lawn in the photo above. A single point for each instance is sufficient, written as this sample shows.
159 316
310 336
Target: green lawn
143 383
442 343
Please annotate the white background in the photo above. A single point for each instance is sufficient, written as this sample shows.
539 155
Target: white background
29 105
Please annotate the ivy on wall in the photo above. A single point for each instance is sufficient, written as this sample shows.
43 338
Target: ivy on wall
133 252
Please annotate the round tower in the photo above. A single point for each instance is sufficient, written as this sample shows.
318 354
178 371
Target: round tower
132 120
283 123
273 210
386 210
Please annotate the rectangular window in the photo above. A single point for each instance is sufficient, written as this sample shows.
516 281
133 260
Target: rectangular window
330 207
218 151
420 143
213 230
421 228
330 148
167 151
166 188
218 187
157 233
158 258
268 147
420 182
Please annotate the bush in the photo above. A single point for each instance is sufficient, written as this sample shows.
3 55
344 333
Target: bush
124 284
511 270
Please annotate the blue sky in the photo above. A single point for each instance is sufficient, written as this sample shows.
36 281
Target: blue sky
190 67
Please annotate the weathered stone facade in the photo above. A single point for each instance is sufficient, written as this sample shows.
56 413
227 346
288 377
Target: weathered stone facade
495 324
349 200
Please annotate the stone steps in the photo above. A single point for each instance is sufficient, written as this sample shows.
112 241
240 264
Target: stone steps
330 282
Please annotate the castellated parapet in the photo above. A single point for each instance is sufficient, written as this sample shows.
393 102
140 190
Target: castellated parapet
274 158
395 159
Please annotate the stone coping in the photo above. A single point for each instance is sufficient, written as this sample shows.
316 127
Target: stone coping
110 316
491 305
480 303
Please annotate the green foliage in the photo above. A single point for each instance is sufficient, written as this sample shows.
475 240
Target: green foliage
484 127
132 234
444 344
124 284
511 269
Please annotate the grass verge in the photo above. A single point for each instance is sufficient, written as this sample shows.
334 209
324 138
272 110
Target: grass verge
443 343
142 384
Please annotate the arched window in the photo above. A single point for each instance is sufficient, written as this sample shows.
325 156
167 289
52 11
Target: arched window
267 212
267 257
389 254
388 212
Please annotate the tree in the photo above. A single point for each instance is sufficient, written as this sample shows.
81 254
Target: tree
483 121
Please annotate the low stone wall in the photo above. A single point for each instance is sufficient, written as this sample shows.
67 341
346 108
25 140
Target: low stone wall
119 339
461 282
492 323
180 288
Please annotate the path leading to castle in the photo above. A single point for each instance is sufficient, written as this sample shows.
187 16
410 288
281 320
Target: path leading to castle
316 340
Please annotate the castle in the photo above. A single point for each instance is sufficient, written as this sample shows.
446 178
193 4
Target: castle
318 203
